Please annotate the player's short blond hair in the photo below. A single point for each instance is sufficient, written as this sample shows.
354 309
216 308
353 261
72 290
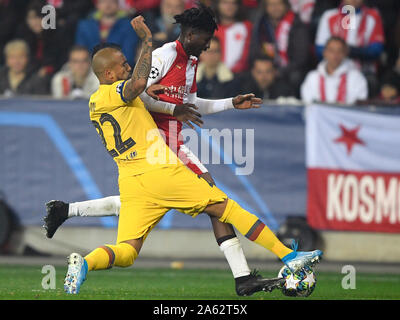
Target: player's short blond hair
15 45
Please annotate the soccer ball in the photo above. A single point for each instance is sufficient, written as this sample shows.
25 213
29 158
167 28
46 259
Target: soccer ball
299 284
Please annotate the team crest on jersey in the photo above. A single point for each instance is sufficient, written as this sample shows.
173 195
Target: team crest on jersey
119 87
154 73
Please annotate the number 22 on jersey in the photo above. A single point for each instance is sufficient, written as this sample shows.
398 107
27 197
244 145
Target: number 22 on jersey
120 146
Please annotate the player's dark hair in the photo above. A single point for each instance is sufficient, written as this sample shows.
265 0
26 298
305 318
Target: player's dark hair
200 18
104 45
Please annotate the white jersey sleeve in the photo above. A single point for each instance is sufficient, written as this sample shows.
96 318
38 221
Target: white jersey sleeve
210 106
162 60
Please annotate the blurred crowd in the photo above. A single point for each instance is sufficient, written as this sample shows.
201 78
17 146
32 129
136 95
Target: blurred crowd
313 50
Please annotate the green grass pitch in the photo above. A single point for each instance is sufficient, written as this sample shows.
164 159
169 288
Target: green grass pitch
24 282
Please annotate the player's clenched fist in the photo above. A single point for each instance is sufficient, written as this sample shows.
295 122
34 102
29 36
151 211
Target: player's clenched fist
140 28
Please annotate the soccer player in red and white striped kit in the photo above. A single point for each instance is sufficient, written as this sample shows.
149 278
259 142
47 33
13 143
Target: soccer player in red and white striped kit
174 68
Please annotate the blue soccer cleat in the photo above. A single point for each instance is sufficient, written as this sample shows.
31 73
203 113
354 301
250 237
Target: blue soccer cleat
297 260
76 274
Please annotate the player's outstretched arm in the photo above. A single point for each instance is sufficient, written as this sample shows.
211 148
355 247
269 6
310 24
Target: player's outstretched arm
137 84
205 106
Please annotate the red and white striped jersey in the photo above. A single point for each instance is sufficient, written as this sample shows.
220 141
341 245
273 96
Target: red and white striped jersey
235 45
368 27
173 68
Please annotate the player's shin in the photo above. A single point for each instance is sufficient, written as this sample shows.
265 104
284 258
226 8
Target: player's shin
108 206
254 229
105 257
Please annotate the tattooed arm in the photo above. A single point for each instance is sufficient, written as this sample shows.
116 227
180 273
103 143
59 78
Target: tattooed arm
137 84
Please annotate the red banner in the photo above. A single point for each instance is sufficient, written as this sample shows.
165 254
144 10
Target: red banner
358 201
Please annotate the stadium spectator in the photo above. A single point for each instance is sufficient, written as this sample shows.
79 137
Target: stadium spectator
163 27
251 9
280 34
320 7
75 79
390 86
234 33
47 46
214 79
108 24
303 8
68 14
11 14
389 11
365 38
263 81
18 77
336 79
390 91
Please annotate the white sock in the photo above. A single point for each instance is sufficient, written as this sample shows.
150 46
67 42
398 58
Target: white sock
234 254
108 206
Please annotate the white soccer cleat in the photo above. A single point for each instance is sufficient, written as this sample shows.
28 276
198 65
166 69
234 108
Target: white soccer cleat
76 274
